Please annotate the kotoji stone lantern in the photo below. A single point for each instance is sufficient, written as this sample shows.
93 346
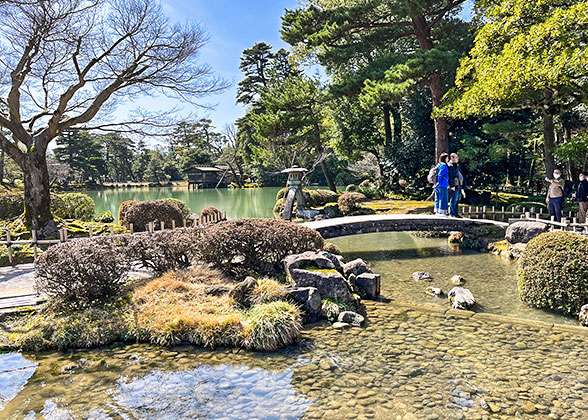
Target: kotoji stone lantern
295 175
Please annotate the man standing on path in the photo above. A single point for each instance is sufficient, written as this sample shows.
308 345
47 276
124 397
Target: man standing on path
582 197
555 194
456 185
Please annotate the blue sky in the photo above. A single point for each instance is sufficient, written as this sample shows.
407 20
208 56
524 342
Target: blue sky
232 26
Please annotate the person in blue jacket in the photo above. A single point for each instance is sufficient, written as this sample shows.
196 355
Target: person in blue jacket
442 186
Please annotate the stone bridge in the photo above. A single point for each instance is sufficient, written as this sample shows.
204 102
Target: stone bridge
356 225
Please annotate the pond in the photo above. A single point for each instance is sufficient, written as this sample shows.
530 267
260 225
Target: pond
251 202
403 363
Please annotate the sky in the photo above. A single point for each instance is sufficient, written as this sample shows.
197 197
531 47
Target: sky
232 26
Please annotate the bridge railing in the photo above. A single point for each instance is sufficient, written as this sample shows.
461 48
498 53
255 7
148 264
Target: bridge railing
151 227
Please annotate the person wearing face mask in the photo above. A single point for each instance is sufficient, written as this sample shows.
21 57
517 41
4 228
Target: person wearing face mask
581 197
555 194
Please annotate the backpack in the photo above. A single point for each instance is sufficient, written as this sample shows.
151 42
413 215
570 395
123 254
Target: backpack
432 177
569 189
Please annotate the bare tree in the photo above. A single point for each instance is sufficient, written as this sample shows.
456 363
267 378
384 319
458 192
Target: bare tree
66 64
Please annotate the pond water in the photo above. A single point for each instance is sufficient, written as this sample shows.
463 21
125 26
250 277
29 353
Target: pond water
403 364
252 202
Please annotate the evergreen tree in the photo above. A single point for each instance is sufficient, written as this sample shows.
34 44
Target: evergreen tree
82 152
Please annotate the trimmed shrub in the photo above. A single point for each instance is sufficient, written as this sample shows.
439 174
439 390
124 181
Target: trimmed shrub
318 198
164 250
104 217
553 272
11 206
273 325
283 193
183 206
75 206
249 246
332 248
122 211
351 188
349 202
267 290
280 206
82 271
212 213
142 213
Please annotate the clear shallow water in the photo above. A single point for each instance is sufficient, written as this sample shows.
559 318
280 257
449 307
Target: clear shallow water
253 202
402 364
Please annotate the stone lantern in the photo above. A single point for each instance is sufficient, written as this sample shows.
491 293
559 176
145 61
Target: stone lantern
295 175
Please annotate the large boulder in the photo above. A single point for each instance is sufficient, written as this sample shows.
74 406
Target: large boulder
461 298
357 267
309 300
367 284
523 232
350 317
308 259
329 282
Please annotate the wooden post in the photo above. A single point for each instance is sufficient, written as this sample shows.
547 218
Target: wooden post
131 228
64 234
151 227
553 218
185 222
162 225
112 229
528 215
173 224
34 241
538 216
9 246
89 231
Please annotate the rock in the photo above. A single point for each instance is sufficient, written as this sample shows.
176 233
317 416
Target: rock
529 408
421 275
434 291
516 250
329 283
367 283
523 232
241 292
337 260
324 364
306 260
457 280
332 210
308 213
356 267
216 290
455 238
340 325
350 317
583 316
461 298
309 299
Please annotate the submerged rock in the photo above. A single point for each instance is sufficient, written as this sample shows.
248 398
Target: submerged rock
368 284
455 238
350 317
421 275
434 291
461 298
457 280
523 232
340 325
583 316
309 299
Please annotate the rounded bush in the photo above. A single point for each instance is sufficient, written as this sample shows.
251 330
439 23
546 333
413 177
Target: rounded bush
318 198
273 325
75 206
105 217
142 213
122 211
351 188
164 250
11 205
212 213
183 206
349 202
82 271
249 246
553 272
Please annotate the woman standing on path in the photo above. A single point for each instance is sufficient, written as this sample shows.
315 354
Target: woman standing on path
441 187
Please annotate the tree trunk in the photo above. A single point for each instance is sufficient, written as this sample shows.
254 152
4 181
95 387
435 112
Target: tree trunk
387 127
531 184
327 175
1 166
573 171
36 193
548 133
423 34
397 123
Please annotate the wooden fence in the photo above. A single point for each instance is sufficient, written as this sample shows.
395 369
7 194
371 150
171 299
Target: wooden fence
63 235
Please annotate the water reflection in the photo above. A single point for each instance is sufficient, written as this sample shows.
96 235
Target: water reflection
15 371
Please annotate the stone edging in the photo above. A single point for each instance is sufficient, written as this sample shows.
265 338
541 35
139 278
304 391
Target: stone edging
487 317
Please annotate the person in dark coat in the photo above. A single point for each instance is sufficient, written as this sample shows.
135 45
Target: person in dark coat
581 197
456 185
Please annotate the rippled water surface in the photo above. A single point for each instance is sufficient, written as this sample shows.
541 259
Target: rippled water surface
403 364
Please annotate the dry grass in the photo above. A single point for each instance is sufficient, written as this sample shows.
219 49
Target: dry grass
267 290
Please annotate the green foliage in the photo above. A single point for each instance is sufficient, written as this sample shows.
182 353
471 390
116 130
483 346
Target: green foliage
267 290
11 205
182 206
80 272
81 151
553 272
351 188
76 206
319 198
332 307
273 325
104 217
